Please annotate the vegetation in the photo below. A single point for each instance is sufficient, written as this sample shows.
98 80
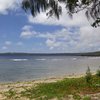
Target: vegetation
87 98
88 76
62 89
11 94
67 88
98 72
92 8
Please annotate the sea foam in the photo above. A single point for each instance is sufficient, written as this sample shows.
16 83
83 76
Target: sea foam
41 59
19 59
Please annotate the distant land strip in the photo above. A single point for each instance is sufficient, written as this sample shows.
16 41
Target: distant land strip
53 54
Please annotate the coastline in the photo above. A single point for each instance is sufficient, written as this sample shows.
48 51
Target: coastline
22 85
52 78
4 86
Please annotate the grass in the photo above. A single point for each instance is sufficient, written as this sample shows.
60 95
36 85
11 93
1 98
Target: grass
87 98
67 88
60 89
11 95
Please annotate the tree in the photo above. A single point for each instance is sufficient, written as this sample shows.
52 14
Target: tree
92 8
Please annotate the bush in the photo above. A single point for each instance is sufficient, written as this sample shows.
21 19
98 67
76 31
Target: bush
98 72
88 76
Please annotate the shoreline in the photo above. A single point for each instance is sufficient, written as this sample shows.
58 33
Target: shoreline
47 79
37 81
5 86
18 87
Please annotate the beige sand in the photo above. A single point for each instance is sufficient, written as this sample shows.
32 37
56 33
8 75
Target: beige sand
18 86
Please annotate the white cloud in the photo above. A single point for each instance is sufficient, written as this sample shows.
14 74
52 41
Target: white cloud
8 43
60 39
6 5
57 39
52 43
27 27
27 32
78 19
19 43
79 39
4 48
76 35
89 39
68 39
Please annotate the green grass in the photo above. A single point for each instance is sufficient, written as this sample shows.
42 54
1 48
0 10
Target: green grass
11 95
75 87
87 98
60 89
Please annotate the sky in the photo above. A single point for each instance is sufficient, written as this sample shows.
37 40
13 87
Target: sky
20 32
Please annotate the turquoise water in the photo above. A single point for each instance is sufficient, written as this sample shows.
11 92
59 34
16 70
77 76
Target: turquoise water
24 67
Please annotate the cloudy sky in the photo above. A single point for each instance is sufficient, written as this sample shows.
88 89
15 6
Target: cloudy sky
20 32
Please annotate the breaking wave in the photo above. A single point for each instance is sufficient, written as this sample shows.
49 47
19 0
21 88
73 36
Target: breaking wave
41 59
74 58
57 59
19 59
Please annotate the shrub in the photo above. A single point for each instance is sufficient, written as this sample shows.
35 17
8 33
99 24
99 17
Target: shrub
88 76
98 72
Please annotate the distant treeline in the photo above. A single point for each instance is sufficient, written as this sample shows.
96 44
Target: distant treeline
53 54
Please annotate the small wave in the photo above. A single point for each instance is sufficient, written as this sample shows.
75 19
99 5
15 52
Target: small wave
74 58
19 59
93 57
56 59
41 59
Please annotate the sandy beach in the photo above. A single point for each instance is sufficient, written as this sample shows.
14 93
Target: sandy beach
19 86
6 86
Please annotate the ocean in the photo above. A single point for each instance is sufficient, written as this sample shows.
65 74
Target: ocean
32 67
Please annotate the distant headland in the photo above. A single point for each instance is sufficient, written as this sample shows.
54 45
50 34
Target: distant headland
97 53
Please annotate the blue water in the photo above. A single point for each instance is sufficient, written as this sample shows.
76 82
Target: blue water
30 67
